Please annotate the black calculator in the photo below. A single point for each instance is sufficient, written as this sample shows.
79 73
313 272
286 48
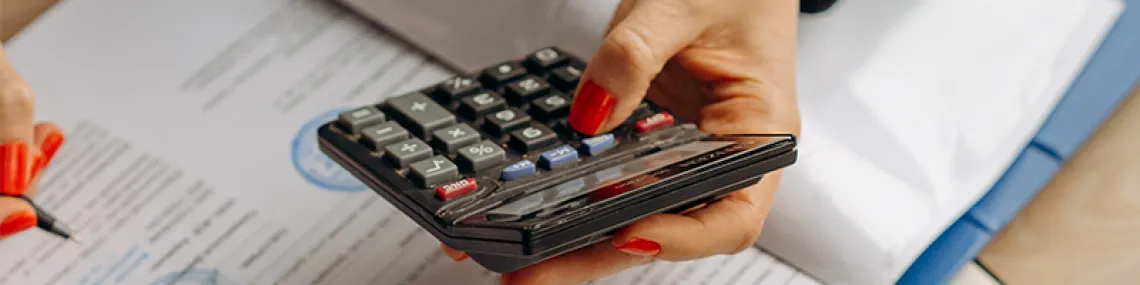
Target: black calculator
488 164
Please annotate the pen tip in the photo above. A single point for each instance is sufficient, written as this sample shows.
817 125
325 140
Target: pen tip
76 240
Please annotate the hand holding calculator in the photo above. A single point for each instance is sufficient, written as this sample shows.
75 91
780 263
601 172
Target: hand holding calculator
488 164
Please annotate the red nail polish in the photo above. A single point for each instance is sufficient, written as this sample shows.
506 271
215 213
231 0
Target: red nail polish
13 168
17 222
51 144
38 164
591 107
460 258
641 247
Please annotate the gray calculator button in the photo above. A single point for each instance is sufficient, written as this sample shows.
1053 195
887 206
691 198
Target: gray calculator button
481 156
384 134
421 114
450 139
434 171
356 119
406 152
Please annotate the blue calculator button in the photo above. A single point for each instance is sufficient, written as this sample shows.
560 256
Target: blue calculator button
560 156
518 170
595 145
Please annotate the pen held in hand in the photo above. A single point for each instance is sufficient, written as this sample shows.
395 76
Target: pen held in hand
48 222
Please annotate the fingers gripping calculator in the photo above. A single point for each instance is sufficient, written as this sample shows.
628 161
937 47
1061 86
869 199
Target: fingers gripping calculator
488 164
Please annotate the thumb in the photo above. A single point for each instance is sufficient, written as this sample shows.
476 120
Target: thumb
17 216
633 52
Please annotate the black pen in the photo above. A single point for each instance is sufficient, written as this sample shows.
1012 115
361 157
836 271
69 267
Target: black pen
47 222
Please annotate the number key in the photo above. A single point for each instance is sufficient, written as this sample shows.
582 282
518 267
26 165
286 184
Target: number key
507 71
526 88
481 104
545 58
502 122
532 138
551 107
566 77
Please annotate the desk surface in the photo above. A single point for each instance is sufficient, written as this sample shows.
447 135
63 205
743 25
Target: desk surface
1084 228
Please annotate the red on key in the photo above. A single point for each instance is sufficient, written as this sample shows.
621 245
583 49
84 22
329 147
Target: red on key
657 121
455 189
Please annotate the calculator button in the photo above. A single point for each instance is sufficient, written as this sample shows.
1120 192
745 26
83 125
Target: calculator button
455 189
566 77
532 138
384 134
434 171
406 152
421 115
655 122
480 156
526 88
452 138
357 119
558 157
551 107
502 122
597 144
545 58
502 72
519 170
456 87
481 104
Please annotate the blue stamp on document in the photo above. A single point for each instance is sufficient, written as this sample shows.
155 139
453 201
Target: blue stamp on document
193 277
316 167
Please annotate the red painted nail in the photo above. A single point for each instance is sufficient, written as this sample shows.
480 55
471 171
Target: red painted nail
51 144
591 107
13 168
460 258
17 222
641 247
38 164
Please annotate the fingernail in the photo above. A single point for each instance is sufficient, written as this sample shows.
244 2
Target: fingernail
13 168
38 164
640 247
460 258
51 144
17 222
591 107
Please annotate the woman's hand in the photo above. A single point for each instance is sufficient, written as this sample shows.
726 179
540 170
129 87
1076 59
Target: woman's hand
25 149
729 66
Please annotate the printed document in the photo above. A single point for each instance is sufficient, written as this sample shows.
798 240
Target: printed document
191 156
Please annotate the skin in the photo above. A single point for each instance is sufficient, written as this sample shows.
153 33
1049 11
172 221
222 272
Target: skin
728 65
17 124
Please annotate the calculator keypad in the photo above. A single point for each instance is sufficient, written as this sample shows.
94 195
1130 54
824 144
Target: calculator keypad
507 123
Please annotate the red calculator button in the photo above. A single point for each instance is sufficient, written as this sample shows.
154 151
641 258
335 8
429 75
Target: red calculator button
655 122
456 189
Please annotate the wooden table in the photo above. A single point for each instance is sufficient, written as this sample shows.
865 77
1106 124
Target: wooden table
1084 228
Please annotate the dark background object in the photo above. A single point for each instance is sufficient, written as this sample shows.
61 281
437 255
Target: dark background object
815 6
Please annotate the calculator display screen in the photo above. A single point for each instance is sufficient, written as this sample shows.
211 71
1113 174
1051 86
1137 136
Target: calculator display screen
613 181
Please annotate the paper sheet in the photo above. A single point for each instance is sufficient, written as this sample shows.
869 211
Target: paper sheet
191 154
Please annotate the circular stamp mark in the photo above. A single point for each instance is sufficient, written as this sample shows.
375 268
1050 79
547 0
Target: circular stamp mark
316 167
195 276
